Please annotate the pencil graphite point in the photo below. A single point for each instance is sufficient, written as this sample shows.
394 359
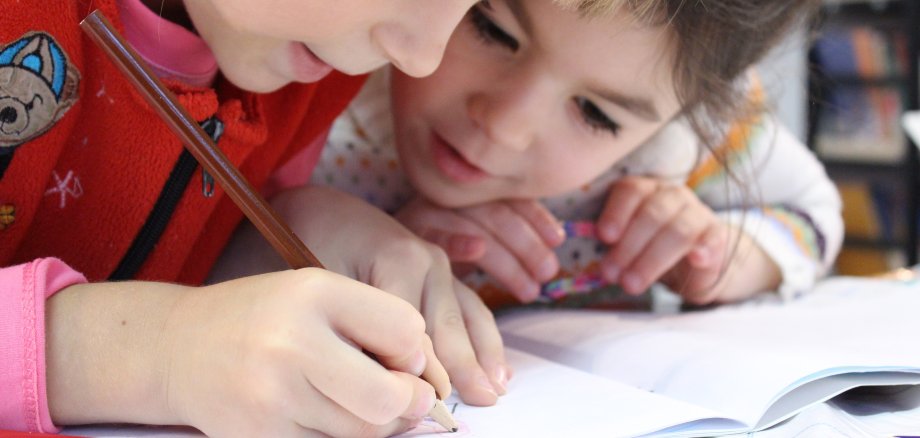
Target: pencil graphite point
441 415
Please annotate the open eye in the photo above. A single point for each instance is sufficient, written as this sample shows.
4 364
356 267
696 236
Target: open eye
595 118
489 31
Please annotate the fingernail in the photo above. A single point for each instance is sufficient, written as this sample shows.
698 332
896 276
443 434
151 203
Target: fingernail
418 363
529 292
501 380
612 272
547 269
701 256
610 233
632 283
423 406
483 382
558 233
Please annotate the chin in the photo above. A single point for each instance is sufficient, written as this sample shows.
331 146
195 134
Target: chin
461 199
254 81
444 197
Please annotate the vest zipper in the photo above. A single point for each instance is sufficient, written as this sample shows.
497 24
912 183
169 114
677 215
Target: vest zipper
153 228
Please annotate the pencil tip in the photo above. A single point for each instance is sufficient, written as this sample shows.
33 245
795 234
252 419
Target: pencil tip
453 429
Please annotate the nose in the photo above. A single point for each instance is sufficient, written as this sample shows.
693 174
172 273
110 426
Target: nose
509 114
413 55
416 43
8 115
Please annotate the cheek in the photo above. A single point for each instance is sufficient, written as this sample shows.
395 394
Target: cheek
438 99
240 16
407 117
307 21
574 164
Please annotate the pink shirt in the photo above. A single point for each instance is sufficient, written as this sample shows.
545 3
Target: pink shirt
23 290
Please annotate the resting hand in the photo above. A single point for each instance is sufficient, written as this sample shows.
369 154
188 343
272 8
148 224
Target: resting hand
658 231
512 241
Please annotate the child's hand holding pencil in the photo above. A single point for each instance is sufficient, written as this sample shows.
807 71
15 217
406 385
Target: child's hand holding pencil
273 354
280 354
397 261
462 329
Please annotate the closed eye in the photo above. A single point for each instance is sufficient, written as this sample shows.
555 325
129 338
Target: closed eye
595 118
31 103
489 31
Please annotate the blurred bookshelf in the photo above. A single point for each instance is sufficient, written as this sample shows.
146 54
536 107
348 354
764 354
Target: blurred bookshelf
863 77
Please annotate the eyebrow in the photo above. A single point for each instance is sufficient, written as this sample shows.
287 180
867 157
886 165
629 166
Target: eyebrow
641 107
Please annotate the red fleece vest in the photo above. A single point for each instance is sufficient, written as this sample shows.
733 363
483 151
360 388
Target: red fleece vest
86 158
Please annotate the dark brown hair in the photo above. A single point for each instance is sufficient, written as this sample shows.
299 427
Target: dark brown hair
714 42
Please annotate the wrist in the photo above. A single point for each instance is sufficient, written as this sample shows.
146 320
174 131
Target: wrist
750 270
105 353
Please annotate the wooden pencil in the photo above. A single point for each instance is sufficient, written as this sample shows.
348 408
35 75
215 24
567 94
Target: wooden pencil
212 159
441 415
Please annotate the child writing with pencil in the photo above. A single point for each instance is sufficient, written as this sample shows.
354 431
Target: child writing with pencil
96 191
636 120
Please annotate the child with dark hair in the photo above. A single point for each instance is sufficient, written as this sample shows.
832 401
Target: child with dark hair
640 117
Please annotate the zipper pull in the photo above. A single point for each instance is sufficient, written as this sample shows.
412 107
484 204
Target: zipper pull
207 184
215 129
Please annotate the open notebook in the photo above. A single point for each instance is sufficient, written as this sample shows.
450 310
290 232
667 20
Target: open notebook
729 370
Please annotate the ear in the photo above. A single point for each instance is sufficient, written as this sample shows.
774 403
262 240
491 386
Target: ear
69 92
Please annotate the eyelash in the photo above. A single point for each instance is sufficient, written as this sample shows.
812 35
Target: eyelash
491 33
595 118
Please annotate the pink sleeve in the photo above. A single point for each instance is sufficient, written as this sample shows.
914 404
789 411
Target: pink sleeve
23 290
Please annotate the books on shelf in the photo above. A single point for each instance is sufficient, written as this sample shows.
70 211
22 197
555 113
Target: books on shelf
733 369
861 124
862 52
874 219
864 69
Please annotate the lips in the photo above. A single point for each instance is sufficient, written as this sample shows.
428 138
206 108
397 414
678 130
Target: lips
305 65
452 164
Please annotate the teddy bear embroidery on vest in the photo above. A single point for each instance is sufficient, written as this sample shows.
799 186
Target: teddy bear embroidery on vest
37 87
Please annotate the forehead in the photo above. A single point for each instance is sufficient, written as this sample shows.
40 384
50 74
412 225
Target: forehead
613 50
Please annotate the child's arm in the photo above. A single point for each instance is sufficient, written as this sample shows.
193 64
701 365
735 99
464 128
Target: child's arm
512 241
780 210
360 241
272 355
781 197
